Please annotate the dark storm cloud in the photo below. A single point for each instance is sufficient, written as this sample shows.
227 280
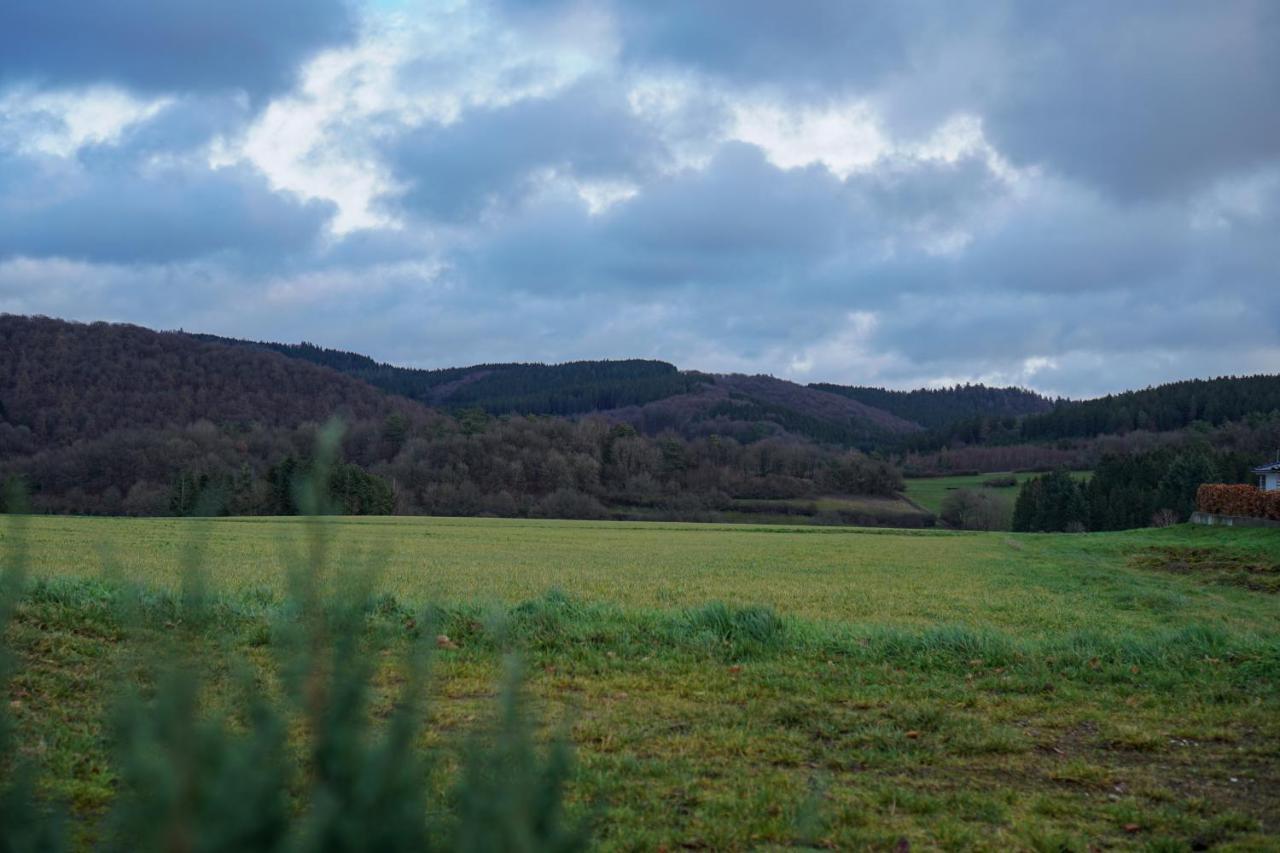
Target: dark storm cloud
814 48
126 214
1123 289
490 157
762 259
163 46
151 196
738 223
1104 214
1142 98
1075 242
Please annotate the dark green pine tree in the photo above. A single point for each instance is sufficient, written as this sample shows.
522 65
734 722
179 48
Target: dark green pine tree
280 485
184 495
1025 507
1185 474
1052 502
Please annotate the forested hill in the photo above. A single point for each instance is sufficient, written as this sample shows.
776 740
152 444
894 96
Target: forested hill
1237 413
537 389
1159 409
64 382
651 395
937 407
112 419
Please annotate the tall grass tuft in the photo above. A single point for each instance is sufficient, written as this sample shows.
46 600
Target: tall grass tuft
732 632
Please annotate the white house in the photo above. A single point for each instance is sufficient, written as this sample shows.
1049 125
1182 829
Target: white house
1268 476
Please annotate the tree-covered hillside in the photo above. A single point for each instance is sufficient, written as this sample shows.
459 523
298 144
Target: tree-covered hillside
536 389
652 396
937 407
1159 409
109 419
64 382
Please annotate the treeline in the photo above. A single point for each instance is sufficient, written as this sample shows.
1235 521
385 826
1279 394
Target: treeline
568 389
935 408
1164 408
1127 491
347 489
557 389
428 463
1159 409
1255 436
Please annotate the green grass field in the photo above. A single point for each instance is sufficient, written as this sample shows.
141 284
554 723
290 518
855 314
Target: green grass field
734 686
930 492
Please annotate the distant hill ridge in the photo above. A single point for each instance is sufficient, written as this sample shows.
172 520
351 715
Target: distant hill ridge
1164 408
655 395
68 382
937 407
1159 408
528 388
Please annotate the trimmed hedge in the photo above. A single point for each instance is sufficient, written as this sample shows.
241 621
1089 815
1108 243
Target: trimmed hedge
1223 499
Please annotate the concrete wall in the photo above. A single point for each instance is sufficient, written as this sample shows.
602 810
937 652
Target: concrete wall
1232 520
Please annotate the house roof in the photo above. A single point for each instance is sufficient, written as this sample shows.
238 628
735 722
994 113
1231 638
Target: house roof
1268 468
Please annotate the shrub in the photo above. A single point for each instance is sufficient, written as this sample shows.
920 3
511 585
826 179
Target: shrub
1228 499
971 510
568 503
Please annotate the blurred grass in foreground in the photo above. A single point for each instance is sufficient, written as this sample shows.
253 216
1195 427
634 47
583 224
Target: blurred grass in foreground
202 746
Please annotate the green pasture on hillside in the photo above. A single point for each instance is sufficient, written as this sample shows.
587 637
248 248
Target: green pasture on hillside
930 492
735 686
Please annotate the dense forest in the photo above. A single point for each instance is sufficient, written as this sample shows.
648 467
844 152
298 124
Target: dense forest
1161 409
116 419
935 408
527 389
652 396
66 382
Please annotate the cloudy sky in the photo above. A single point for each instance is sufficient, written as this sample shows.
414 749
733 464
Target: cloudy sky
1077 197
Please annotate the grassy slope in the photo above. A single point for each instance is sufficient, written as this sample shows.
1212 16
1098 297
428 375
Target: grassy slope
929 492
958 690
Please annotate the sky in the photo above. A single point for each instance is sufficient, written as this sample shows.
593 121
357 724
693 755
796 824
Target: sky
1074 197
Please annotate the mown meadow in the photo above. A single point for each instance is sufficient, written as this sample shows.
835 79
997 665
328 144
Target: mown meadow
931 492
728 687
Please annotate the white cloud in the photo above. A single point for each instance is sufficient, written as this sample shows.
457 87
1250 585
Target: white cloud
844 138
58 123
